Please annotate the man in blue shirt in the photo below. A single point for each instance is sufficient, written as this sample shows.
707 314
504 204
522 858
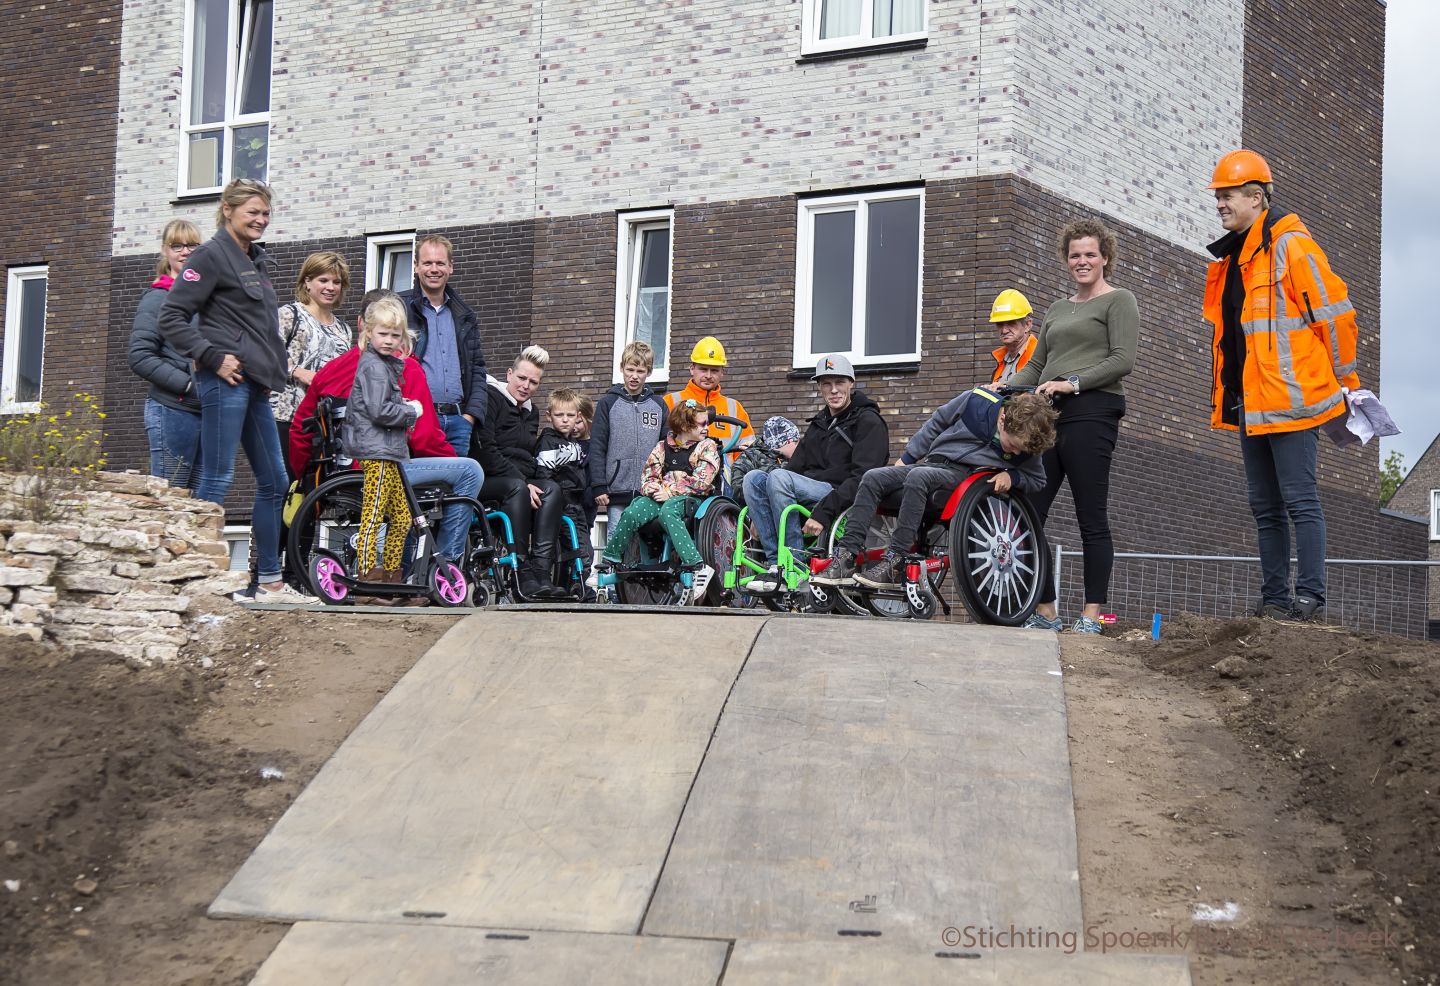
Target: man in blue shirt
447 342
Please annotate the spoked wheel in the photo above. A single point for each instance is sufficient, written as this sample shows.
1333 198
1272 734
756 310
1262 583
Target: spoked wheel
324 572
448 585
844 599
715 537
327 520
649 589
997 548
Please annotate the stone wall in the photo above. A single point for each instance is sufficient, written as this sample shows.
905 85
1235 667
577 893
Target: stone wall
129 567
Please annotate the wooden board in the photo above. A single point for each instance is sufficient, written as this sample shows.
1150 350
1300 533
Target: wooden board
898 779
842 963
326 954
527 772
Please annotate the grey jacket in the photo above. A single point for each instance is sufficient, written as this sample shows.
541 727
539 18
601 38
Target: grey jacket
155 360
963 432
626 429
232 293
377 419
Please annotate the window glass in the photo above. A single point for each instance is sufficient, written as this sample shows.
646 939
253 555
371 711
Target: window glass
839 18
207 61
255 60
31 354
399 269
652 295
251 152
833 282
898 17
892 276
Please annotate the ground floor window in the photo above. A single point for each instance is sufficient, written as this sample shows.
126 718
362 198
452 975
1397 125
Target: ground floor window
390 261
25 290
644 260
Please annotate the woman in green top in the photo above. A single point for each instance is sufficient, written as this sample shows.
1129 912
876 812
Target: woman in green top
1086 347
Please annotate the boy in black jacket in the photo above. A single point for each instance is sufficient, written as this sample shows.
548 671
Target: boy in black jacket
561 456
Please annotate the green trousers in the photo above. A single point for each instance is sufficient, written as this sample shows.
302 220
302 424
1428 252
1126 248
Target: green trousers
640 512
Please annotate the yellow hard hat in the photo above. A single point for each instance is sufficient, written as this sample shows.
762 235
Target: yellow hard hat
1009 305
1240 168
708 352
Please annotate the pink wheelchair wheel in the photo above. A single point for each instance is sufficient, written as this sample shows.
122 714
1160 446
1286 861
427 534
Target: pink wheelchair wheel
448 586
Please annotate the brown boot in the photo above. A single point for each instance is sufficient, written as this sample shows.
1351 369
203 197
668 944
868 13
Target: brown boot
374 575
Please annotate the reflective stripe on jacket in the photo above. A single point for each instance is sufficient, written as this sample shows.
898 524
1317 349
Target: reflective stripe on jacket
1025 355
728 406
1299 327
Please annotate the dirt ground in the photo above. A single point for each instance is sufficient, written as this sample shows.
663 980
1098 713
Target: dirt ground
1296 784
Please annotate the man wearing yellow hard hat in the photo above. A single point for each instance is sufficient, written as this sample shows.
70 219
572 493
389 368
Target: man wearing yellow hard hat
707 371
1284 350
1011 316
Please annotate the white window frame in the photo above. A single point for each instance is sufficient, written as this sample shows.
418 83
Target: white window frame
14 281
807 209
234 45
812 44
627 274
1435 515
377 252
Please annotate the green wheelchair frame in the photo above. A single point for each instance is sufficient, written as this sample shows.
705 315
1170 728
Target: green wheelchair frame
793 570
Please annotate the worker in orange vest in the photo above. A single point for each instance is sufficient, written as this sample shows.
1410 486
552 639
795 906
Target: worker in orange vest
1284 347
1012 318
707 371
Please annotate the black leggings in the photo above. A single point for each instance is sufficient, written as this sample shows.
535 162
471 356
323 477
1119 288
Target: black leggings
513 495
1083 451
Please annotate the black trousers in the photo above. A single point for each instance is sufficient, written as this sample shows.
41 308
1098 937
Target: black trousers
534 527
1084 449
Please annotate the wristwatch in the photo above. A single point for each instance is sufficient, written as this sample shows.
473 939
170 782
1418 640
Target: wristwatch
1074 381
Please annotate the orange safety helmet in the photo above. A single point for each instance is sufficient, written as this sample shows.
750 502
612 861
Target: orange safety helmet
1240 168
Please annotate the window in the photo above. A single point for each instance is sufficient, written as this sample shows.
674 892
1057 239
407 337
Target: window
225 97
835 25
1435 515
24 339
858 268
642 285
390 261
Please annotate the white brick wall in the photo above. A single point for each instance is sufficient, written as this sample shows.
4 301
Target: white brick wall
413 115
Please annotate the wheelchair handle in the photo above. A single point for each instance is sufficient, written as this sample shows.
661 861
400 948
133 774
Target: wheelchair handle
736 423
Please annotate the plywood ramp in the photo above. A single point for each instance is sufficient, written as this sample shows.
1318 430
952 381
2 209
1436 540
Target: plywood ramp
880 779
528 772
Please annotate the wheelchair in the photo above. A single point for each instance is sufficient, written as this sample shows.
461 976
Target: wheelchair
650 573
992 542
794 593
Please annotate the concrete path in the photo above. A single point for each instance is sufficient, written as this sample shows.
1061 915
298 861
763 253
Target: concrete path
819 798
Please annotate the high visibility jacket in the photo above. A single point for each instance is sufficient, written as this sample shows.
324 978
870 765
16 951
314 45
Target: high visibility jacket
1025 355
1299 328
728 406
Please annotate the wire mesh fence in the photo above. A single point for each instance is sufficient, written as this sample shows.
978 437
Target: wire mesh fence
1373 594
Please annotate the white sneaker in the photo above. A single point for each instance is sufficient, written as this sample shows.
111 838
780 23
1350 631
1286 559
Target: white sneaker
765 581
699 582
286 595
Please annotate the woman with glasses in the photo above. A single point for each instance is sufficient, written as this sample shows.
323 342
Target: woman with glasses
172 407
221 313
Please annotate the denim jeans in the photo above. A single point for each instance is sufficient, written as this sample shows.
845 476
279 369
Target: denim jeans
1280 471
457 431
464 476
767 494
174 444
234 417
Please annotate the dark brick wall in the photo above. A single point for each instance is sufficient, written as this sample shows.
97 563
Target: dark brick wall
57 177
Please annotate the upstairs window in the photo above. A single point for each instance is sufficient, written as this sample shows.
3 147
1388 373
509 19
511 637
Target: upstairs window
225 102
390 261
858 272
25 289
835 25
642 286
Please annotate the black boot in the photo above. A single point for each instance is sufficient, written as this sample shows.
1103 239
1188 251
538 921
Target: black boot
530 583
543 565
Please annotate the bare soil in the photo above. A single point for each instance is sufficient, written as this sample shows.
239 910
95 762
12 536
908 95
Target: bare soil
1297 782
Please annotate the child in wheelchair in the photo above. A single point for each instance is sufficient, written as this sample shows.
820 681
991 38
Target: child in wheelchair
562 456
979 429
681 470
377 421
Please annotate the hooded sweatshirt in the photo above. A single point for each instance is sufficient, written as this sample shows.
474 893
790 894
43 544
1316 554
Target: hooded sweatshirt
838 449
626 427
965 433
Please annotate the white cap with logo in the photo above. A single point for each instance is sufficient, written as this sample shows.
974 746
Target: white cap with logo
833 365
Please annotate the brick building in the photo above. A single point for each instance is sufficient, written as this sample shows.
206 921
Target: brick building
1418 497
790 175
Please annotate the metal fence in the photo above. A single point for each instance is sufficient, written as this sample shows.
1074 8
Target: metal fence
1375 594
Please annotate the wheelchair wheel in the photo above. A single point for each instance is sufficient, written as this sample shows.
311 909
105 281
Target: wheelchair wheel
649 589
447 583
327 520
715 537
997 548
323 571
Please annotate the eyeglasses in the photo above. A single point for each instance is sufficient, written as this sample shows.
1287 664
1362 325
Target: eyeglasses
183 246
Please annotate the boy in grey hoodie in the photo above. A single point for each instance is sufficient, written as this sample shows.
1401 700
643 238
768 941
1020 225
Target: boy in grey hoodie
377 421
977 430
629 423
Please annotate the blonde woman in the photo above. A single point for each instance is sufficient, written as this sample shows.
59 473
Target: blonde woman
221 314
312 333
172 407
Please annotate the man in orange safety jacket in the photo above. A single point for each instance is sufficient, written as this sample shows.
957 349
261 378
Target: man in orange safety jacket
1284 347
